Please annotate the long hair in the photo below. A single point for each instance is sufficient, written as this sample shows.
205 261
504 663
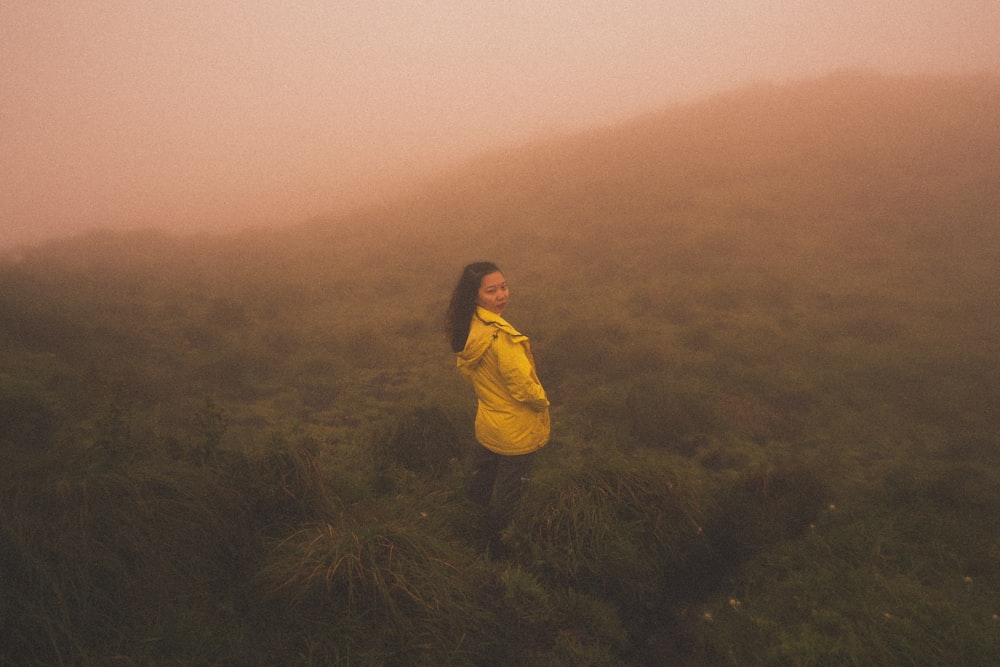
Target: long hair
463 303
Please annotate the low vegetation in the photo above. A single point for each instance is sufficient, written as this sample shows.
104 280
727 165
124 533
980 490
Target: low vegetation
768 323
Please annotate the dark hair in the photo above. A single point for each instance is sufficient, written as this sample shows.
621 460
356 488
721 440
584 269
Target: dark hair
463 303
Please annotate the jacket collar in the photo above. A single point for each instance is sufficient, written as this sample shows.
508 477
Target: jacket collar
485 327
489 318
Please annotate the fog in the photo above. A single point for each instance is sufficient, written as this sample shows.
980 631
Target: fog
766 319
208 116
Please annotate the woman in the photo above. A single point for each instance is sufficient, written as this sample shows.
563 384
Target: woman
512 418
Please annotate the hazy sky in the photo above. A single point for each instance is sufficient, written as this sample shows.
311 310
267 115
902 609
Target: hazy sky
219 113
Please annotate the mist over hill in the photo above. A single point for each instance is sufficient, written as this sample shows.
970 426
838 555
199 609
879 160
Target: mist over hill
853 188
768 325
846 150
808 163
884 190
838 186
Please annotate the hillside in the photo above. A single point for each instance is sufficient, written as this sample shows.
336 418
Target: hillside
769 326
834 150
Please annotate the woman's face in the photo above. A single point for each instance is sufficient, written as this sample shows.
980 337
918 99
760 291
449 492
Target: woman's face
493 293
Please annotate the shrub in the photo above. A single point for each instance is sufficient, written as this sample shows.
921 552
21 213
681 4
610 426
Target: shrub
766 504
28 416
288 484
90 556
853 590
423 440
661 414
624 531
560 628
381 591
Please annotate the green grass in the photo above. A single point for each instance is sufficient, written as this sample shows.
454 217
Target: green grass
774 412
864 585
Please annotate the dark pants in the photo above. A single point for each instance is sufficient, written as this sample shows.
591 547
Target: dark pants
497 482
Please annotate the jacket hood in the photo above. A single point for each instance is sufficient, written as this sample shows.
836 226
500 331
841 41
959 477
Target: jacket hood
486 326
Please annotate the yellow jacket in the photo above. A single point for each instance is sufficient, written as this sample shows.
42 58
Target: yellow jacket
513 413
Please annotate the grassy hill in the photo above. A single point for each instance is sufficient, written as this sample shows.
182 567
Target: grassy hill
768 322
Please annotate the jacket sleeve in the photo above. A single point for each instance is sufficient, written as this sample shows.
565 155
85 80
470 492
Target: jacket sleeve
519 375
